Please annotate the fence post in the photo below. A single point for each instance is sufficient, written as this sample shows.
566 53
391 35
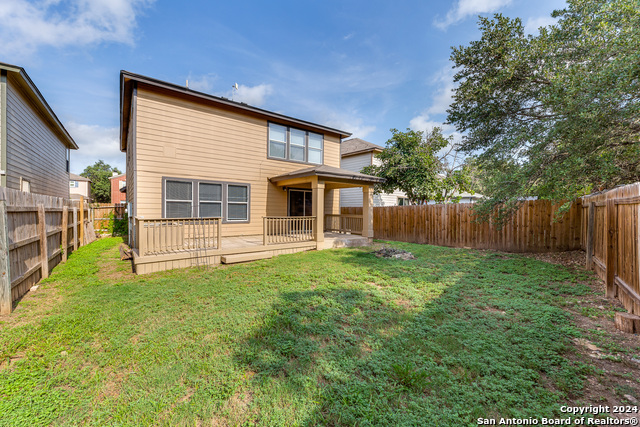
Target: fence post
6 301
42 232
75 228
612 246
264 230
590 227
65 232
81 221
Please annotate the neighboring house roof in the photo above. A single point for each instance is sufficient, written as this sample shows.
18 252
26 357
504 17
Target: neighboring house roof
325 171
354 146
41 104
128 79
74 177
117 176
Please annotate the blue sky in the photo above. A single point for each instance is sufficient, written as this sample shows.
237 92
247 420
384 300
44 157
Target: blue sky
360 66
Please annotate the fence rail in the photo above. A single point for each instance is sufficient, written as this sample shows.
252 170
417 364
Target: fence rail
288 229
166 235
344 223
37 232
610 237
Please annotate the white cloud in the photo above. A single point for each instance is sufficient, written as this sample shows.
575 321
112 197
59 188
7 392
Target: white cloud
465 8
348 36
533 24
252 95
202 83
95 143
30 25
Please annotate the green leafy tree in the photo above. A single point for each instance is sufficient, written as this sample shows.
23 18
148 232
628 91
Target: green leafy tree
555 115
422 164
99 174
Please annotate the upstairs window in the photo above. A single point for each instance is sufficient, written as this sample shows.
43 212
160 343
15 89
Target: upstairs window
295 145
73 184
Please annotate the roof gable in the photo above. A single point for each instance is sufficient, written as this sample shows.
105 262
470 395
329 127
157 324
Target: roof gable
30 89
355 146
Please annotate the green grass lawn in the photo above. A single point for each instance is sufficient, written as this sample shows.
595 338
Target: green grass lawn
336 337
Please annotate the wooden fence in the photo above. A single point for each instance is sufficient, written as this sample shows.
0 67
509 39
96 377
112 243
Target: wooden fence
610 237
532 229
102 215
37 232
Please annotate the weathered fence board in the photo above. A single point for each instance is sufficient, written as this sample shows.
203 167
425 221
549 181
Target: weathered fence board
615 250
39 232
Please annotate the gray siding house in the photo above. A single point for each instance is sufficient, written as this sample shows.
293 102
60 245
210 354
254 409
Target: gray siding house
356 154
34 145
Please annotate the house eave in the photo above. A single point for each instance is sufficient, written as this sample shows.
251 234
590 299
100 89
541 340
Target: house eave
127 79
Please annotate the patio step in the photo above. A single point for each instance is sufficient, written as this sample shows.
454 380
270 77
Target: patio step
251 256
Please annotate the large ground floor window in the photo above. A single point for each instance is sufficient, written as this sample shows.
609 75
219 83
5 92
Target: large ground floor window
185 198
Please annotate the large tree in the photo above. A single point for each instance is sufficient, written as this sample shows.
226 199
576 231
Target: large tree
422 164
99 174
555 115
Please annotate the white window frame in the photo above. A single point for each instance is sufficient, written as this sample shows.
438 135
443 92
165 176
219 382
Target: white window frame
73 184
166 200
212 202
236 203
288 144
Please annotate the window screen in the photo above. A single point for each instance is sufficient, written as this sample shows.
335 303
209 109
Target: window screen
237 203
178 199
277 141
210 197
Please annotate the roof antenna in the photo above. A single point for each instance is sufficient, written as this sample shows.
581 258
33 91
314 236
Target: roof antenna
235 89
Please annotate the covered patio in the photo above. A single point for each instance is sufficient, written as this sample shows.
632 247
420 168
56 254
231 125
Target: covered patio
166 243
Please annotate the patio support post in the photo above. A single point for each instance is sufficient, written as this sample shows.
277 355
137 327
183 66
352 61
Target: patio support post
317 192
367 212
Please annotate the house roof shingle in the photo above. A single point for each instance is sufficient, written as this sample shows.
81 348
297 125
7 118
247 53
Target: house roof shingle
325 171
74 177
354 146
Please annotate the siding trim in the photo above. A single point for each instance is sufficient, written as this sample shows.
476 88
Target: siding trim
3 128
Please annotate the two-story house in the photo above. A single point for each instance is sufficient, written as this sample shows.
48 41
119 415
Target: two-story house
212 180
79 186
118 188
34 145
356 154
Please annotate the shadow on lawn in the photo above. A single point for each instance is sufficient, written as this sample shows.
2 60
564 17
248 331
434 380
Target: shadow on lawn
426 342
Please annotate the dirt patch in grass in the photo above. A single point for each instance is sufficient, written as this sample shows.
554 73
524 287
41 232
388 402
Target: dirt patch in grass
614 355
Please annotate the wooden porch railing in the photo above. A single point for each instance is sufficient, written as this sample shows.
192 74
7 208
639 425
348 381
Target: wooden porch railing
343 223
288 229
164 235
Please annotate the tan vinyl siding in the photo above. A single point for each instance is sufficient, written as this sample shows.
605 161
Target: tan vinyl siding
34 151
183 139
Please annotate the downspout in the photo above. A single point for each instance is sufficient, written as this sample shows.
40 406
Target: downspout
3 128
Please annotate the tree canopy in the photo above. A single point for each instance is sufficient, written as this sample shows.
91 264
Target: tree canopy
99 174
422 165
555 115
